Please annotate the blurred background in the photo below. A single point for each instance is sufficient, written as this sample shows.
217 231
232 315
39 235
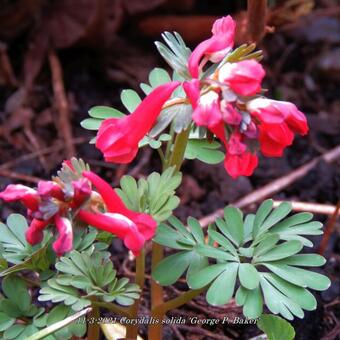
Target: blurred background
60 58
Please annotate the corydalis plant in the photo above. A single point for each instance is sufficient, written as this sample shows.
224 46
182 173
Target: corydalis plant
214 95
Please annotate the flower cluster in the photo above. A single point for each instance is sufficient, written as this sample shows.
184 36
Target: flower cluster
229 103
60 203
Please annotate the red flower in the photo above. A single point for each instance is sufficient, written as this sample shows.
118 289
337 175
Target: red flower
132 227
244 77
18 192
238 161
278 122
118 139
274 138
34 234
214 48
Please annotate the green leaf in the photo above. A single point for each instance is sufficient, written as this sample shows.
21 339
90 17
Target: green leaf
234 221
268 242
222 289
177 54
6 321
204 151
155 196
261 214
276 328
300 295
15 289
105 112
178 263
300 277
206 275
91 124
93 274
277 215
281 251
130 99
248 275
158 76
223 242
12 239
253 304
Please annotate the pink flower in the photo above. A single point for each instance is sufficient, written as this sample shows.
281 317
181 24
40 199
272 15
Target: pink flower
64 241
206 107
18 192
230 114
214 48
275 112
133 227
50 189
82 191
243 77
118 139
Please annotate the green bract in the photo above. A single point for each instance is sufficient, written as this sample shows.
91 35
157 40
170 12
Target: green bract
257 253
82 276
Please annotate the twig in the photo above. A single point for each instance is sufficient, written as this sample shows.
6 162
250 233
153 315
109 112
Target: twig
257 18
329 230
54 148
315 208
276 185
62 104
16 175
6 66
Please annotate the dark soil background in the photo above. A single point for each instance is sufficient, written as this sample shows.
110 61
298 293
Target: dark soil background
105 46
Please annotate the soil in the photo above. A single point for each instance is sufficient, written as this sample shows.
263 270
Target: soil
302 62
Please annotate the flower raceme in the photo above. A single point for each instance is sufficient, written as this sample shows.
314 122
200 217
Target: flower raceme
228 101
118 139
57 203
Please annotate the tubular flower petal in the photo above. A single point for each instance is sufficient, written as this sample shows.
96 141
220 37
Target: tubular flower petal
118 139
145 223
192 90
17 192
64 242
118 225
244 77
50 189
216 47
34 234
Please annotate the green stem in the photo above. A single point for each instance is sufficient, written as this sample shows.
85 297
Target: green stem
93 330
132 330
180 145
